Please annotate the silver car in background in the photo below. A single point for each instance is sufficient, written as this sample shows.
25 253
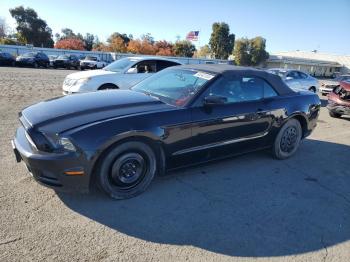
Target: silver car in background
121 74
297 80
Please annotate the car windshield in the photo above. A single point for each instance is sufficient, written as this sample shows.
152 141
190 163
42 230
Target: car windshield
91 58
29 55
63 57
120 65
174 86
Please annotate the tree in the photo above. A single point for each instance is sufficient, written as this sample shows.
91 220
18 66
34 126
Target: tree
204 52
3 28
70 43
164 48
148 38
139 46
257 50
184 48
124 37
241 52
32 28
89 41
118 45
118 42
221 41
250 52
67 33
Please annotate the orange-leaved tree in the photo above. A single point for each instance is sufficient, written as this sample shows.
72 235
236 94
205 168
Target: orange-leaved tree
164 48
70 43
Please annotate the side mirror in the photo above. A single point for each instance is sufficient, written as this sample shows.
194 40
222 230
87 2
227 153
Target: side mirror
132 70
289 78
214 100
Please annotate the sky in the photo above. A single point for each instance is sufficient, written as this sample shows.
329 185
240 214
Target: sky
285 24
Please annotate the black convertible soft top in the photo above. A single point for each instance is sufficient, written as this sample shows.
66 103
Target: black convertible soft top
231 70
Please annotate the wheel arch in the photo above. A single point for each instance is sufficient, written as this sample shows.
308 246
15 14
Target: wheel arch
302 120
107 84
313 88
144 137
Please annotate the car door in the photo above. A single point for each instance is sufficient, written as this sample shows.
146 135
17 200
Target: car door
244 116
305 81
293 80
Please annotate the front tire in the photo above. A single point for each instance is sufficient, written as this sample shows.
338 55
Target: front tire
334 114
312 89
287 140
127 170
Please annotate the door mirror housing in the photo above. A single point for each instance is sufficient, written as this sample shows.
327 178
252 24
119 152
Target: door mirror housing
214 100
132 70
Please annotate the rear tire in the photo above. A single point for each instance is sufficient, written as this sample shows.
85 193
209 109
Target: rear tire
334 114
287 140
127 170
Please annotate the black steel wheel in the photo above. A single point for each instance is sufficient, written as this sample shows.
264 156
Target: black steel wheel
127 170
334 114
287 140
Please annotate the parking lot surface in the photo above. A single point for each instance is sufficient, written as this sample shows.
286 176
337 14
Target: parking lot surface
244 208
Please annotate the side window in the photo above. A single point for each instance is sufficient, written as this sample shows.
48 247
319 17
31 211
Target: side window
240 89
268 90
293 74
302 75
148 66
161 64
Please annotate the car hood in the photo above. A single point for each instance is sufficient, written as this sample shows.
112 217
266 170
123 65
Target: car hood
92 73
330 82
71 111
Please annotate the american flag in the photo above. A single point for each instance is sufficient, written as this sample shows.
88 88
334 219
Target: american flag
192 36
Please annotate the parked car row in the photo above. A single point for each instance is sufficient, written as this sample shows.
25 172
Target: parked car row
40 59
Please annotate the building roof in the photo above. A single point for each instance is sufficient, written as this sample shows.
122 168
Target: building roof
318 58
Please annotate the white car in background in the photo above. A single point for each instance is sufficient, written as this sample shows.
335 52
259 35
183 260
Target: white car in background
121 74
92 62
297 80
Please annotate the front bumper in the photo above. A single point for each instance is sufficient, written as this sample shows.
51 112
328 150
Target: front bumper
49 169
339 109
25 63
87 66
325 89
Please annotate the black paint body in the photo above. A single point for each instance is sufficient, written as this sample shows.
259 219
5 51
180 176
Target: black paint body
179 135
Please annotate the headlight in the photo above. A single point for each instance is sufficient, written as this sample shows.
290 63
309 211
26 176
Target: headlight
66 144
82 81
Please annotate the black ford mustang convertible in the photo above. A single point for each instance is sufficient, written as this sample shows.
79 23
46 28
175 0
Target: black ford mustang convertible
121 139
